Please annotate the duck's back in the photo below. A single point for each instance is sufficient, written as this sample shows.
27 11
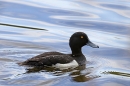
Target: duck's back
49 59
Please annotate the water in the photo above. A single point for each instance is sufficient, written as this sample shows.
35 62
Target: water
31 27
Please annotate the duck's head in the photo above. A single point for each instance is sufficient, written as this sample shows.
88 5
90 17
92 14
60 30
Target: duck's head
78 40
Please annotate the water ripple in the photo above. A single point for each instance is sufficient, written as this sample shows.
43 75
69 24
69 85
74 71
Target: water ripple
31 27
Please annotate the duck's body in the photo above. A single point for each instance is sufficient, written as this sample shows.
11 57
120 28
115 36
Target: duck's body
53 58
76 42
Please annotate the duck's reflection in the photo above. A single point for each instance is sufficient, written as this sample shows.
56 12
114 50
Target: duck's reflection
78 74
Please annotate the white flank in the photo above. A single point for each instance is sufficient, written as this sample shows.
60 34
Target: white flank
72 64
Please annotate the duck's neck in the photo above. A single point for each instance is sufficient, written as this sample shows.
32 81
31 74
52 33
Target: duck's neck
76 51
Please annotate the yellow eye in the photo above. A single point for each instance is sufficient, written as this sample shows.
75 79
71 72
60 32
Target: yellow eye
81 37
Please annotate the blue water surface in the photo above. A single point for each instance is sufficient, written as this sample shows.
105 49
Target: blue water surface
31 27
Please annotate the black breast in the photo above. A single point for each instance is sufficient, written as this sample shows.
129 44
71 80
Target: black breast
81 59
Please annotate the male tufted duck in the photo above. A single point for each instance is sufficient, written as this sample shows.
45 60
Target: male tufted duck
57 59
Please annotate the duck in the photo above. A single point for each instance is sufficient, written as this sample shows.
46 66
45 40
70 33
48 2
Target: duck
61 60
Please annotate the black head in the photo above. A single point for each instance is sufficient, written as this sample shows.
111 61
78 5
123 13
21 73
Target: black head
78 40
